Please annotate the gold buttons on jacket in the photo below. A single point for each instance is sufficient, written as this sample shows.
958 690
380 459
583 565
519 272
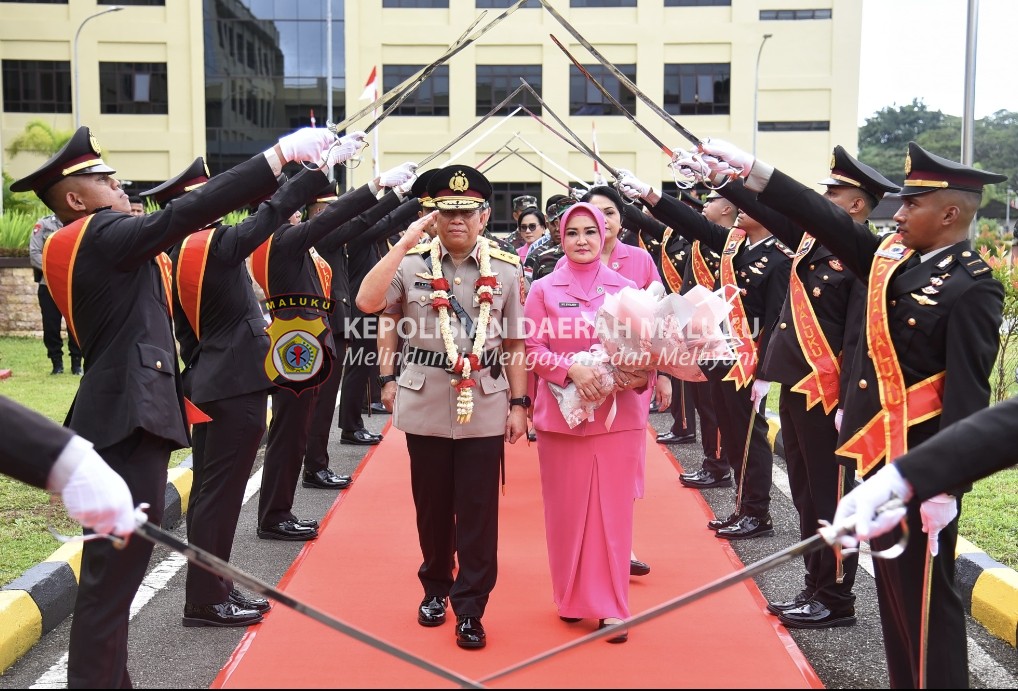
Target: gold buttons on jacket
454 382
893 303
863 384
782 325
911 321
159 364
457 280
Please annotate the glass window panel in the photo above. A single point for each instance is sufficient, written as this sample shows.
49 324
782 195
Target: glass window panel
586 99
36 86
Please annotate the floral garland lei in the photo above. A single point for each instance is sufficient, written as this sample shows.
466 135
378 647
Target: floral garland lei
485 291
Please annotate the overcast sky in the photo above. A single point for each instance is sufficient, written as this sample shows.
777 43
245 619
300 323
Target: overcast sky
916 48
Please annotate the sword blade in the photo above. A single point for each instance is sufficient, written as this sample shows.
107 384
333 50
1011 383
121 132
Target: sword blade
617 73
537 151
539 169
505 101
212 563
495 152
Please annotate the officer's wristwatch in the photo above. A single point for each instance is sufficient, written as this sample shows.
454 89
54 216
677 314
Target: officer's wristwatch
386 378
521 401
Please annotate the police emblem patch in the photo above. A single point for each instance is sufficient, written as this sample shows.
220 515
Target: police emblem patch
297 359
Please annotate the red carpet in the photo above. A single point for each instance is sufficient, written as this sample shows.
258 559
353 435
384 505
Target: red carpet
363 571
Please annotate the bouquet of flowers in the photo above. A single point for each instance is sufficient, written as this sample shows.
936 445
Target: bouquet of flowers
576 409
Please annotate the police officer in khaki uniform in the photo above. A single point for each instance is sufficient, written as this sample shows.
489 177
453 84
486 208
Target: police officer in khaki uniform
456 414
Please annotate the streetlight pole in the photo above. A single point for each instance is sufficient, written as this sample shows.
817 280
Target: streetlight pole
77 98
756 88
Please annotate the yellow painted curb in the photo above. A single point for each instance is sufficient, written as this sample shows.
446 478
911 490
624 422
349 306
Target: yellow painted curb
963 546
69 552
995 602
22 626
181 479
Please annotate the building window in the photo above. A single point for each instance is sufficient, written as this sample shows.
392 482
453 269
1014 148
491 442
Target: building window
133 88
586 99
795 126
38 2
602 3
793 15
499 4
416 3
698 89
501 220
698 3
430 98
160 3
37 86
495 82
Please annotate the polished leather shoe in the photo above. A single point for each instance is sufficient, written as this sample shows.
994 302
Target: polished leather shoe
816 615
747 527
361 437
258 604
432 611
618 638
287 530
308 522
703 479
669 438
224 614
804 596
375 408
638 568
719 523
470 632
326 479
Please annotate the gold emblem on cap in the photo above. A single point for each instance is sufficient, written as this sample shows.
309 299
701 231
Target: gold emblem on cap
908 163
458 182
832 162
94 143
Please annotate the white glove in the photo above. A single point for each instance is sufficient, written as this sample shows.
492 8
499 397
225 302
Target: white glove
837 418
759 391
630 186
403 188
859 507
96 496
398 175
936 513
348 146
689 165
306 144
726 158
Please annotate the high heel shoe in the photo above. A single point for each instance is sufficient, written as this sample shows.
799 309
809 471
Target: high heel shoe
570 620
621 637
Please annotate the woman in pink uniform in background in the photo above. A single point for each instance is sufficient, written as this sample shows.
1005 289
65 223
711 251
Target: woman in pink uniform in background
587 472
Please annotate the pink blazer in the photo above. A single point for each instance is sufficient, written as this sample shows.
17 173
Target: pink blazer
635 263
556 330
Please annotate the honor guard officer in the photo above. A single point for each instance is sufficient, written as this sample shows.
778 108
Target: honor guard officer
931 329
461 393
756 267
223 344
104 271
51 317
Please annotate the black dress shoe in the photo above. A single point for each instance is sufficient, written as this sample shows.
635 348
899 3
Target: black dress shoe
287 530
361 437
326 479
618 638
58 367
432 611
375 408
470 632
258 604
719 523
224 614
669 438
703 479
747 527
532 435
638 568
816 615
308 522
570 620
653 407
804 596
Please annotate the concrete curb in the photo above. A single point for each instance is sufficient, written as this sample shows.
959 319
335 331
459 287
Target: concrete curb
988 589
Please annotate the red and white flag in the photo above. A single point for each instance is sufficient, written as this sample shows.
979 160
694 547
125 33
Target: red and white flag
370 92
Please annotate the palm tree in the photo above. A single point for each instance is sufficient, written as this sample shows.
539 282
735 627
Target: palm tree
39 138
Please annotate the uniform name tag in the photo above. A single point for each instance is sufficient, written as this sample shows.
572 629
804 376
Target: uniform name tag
568 304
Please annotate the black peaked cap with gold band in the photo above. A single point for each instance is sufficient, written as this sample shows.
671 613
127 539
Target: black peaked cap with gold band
926 172
459 187
420 188
326 194
848 171
81 155
191 178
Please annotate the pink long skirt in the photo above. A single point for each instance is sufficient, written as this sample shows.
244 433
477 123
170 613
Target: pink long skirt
587 485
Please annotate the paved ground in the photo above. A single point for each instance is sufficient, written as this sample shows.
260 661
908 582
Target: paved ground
165 655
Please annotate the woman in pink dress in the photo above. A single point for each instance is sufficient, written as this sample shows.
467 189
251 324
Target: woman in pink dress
587 472
531 226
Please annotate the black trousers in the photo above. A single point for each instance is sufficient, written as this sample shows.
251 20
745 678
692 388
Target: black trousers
710 434
97 657
455 487
316 456
284 454
358 366
901 593
817 481
51 321
682 409
734 410
225 450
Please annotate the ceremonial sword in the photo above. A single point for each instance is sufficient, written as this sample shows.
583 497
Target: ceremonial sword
500 106
546 158
541 170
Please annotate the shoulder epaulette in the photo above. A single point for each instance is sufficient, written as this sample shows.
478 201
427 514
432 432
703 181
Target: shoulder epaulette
420 248
974 264
509 257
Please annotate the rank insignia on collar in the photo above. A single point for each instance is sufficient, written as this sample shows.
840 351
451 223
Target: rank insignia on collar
816 291
930 290
922 300
836 265
943 263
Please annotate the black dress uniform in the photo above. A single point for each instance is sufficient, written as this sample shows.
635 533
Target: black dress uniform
934 327
114 293
285 265
810 355
32 444
219 324
762 279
